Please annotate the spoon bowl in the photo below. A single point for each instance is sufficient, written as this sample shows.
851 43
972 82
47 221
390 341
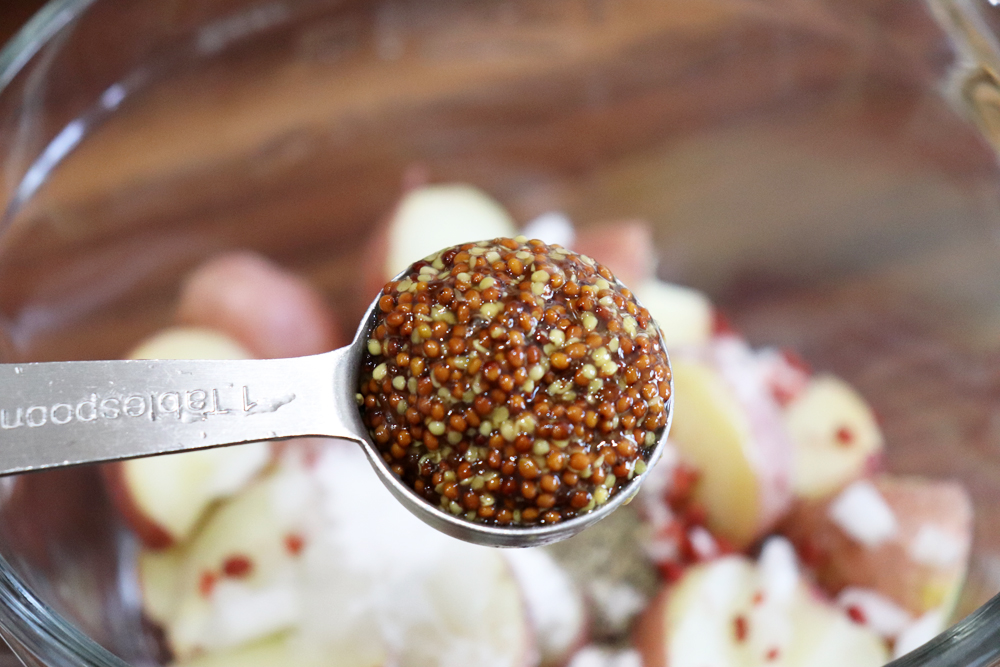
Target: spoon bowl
58 414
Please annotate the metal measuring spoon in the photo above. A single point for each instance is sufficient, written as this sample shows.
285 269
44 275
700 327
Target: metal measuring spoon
56 414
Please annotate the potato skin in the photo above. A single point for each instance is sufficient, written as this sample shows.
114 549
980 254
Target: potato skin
649 635
889 568
624 246
740 447
149 532
272 311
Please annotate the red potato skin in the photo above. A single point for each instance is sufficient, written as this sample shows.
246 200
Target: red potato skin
648 634
308 449
624 246
529 654
838 561
267 309
273 312
874 465
150 533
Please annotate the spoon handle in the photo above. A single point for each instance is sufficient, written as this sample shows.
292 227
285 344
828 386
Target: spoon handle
64 413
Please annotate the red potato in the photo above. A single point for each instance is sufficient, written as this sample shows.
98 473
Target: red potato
834 435
685 316
271 311
238 580
427 219
892 622
163 498
159 573
785 373
734 612
919 632
904 537
312 551
651 632
133 509
675 535
285 651
624 246
443 603
728 428
190 342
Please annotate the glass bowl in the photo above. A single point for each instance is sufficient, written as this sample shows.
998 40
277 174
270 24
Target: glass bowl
824 169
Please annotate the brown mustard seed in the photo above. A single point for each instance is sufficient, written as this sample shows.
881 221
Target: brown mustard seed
515 381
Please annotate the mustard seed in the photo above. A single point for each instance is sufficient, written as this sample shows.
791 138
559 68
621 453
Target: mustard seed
510 382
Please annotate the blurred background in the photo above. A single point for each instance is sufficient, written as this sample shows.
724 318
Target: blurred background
856 207
14 13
